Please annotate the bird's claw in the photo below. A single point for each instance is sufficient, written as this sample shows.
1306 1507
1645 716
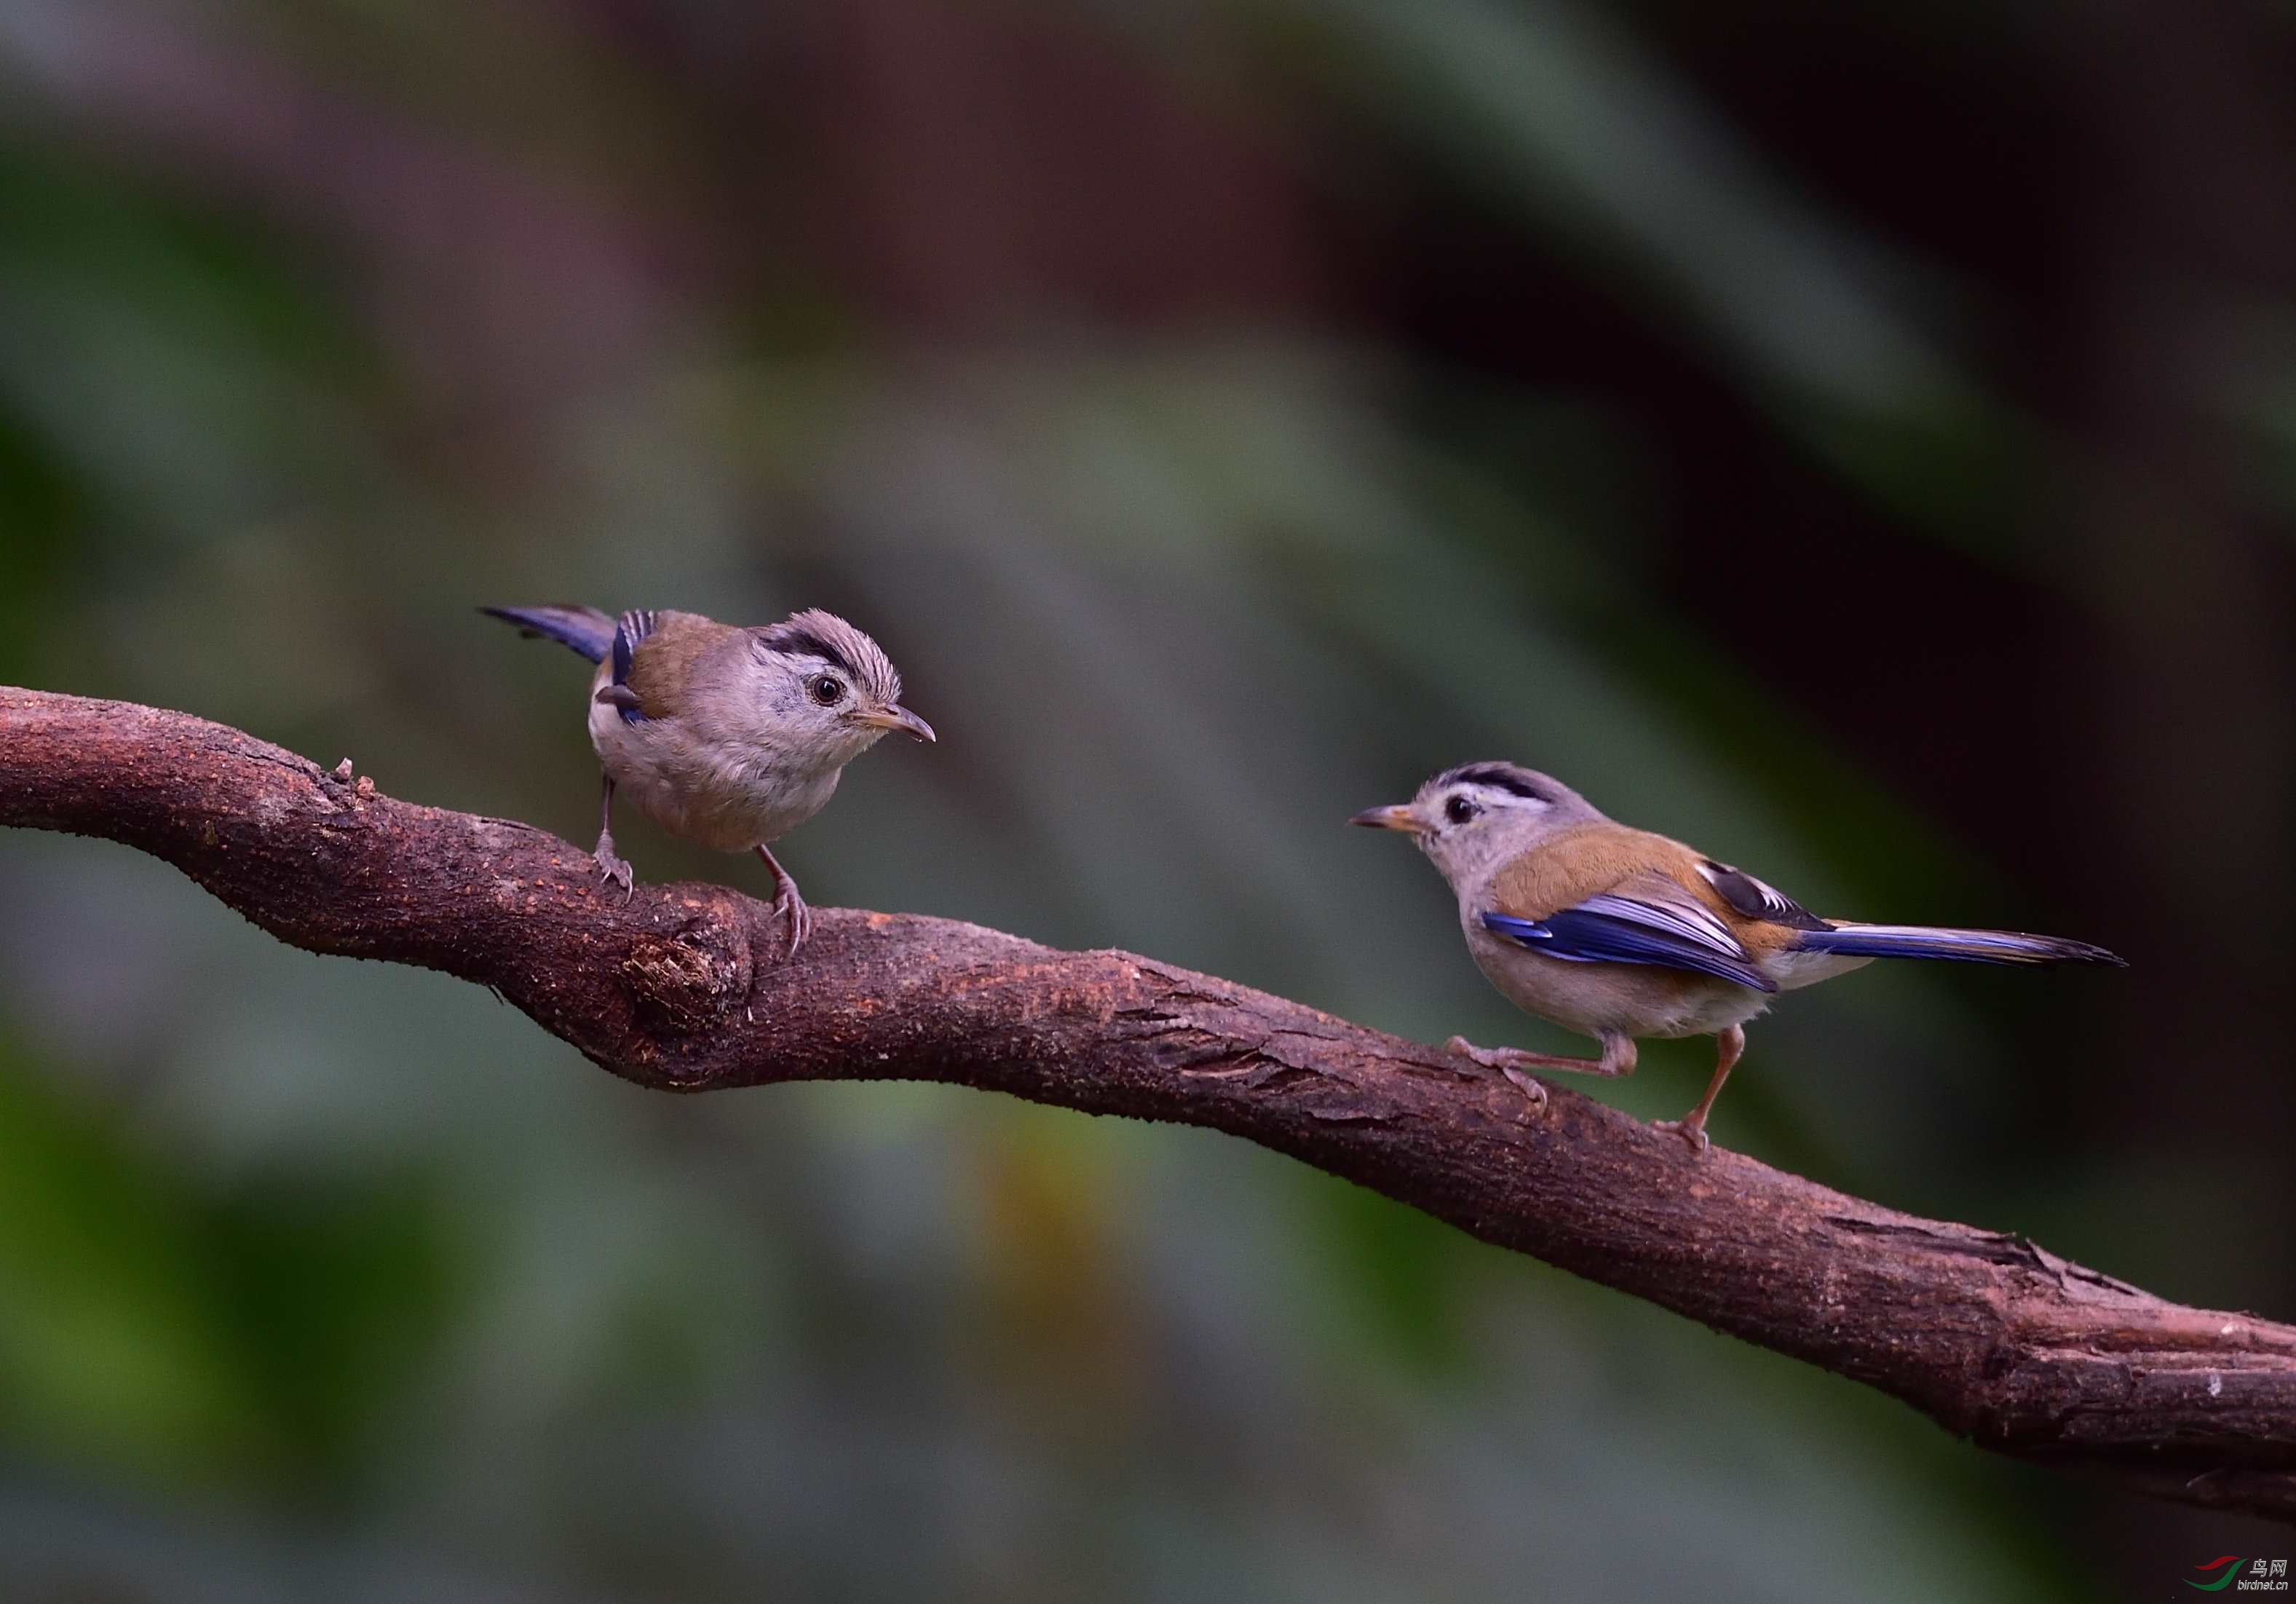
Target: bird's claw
1507 1060
616 869
794 908
1693 1132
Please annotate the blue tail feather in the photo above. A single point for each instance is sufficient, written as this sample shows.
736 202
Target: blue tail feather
585 629
1963 946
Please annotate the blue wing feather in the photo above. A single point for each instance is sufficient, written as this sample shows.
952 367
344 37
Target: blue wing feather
634 627
1610 929
585 630
1964 946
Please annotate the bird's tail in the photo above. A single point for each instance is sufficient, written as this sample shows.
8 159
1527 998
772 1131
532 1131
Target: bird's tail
585 629
1962 946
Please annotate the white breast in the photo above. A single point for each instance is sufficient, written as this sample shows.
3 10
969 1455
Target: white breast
727 796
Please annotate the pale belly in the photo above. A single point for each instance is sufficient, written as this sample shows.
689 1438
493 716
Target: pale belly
727 798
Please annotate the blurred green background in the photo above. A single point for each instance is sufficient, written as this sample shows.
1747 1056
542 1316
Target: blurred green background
1861 440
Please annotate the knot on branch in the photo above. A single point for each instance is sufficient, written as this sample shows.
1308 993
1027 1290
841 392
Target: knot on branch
688 982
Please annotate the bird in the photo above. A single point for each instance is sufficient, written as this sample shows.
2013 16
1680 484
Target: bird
1622 934
725 735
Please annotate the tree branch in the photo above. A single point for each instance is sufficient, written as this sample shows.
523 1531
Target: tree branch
679 988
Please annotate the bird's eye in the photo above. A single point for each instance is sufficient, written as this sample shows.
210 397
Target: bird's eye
1459 809
826 688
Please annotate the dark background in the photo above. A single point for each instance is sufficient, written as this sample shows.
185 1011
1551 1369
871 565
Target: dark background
1859 439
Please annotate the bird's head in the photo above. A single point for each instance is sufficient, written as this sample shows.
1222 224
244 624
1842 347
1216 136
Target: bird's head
1469 819
827 689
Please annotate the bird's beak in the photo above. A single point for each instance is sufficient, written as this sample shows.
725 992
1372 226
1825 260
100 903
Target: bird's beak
897 718
1397 818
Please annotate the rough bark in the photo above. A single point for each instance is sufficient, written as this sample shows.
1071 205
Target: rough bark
680 988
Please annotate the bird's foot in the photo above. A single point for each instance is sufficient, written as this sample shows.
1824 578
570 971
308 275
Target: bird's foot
613 869
1505 1059
1489 1057
1692 1130
1509 1061
789 905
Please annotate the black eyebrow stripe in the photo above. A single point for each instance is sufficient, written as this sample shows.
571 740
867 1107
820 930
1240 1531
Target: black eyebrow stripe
797 638
1498 777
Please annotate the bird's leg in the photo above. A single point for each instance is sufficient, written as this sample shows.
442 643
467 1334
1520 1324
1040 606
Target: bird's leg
1728 1045
1617 1058
788 903
614 869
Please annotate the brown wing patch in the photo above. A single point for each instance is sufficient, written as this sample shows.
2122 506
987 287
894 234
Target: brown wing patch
1596 858
661 664
1585 860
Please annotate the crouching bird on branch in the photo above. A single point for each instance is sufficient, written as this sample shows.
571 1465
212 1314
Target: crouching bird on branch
1618 933
727 736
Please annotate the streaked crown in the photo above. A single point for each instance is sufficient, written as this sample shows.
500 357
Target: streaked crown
1512 779
814 633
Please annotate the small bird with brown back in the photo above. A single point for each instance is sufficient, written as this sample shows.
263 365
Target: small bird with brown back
727 736
1622 934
